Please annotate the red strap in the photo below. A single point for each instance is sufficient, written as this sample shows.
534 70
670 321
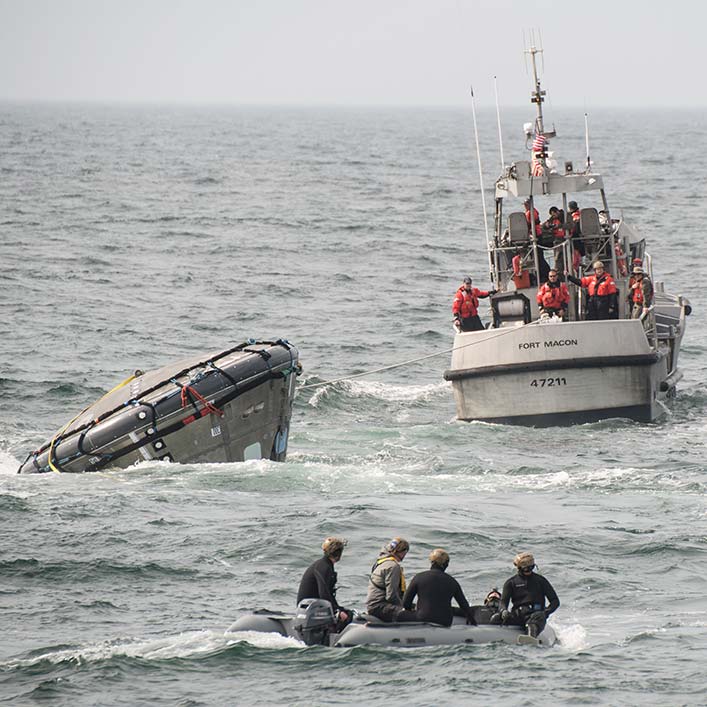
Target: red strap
208 407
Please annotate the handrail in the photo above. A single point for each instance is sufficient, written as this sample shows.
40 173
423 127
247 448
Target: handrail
647 318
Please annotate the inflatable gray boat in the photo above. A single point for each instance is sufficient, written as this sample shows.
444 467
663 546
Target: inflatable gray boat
223 406
314 620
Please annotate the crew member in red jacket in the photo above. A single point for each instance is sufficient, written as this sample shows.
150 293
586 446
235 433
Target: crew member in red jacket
466 306
573 225
553 297
603 301
535 219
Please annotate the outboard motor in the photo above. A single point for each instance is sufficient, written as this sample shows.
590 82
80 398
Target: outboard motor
314 621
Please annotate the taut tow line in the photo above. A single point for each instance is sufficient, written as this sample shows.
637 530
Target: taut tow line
397 365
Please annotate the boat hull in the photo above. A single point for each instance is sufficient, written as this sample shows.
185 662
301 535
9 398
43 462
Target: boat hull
558 374
363 632
411 635
222 406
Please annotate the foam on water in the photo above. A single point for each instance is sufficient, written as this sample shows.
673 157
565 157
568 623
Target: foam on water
8 463
263 640
412 394
184 645
571 637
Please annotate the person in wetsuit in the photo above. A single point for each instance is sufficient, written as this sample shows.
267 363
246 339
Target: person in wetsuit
489 612
528 592
319 580
435 590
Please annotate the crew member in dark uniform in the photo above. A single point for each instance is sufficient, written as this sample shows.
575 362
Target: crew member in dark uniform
435 590
319 580
528 591
602 301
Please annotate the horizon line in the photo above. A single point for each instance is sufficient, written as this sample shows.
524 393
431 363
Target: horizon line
221 103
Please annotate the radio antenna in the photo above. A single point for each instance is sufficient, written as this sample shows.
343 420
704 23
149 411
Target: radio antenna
498 120
586 141
481 175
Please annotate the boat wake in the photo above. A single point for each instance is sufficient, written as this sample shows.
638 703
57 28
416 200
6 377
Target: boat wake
190 645
414 394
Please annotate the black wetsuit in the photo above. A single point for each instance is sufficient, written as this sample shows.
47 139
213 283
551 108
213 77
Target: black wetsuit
319 582
528 594
434 591
482 613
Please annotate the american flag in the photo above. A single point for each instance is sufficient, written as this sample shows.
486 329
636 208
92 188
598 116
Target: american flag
539 145
537 168
539 148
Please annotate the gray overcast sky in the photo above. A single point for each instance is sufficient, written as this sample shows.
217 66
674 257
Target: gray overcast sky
422 52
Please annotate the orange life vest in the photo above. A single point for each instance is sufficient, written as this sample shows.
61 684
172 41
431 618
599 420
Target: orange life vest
555 226
553 297
621 260
536 219
466 304
599 286
637 294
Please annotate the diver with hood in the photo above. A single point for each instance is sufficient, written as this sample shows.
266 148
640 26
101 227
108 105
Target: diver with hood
319 580
527 591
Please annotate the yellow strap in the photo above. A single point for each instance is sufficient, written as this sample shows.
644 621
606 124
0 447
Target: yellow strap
59 433
54 438
381 560
120 385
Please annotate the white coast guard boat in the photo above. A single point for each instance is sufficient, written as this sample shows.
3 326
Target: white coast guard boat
530 369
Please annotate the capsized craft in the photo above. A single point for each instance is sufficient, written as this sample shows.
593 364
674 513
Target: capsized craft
314 618
527 369
221 406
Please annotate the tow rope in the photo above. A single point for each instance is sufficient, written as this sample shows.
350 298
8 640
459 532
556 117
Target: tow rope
403 363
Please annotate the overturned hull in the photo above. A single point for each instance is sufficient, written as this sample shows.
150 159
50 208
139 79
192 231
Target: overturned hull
223 406
555 374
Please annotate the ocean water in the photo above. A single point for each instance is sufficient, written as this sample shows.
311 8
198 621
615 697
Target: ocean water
133 235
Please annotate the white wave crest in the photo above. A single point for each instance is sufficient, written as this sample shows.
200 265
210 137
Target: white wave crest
572 637
262 640
183 645
8 463
385 391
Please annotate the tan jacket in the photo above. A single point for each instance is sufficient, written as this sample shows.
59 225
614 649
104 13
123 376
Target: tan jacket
386 584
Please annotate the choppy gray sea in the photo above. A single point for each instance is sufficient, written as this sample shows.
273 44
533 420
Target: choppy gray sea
131 236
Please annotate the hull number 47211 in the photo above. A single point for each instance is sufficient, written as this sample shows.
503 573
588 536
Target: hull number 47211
547 382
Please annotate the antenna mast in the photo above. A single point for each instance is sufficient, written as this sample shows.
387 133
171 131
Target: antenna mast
498 120
538 95
481 174
540 141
